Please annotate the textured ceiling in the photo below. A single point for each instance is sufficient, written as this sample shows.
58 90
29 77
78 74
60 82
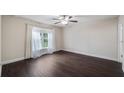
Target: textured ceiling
47 19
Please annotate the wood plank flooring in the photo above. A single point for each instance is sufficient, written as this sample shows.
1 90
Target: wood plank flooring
63 64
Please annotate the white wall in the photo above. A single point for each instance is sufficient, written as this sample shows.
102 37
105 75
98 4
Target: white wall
13 36
96 38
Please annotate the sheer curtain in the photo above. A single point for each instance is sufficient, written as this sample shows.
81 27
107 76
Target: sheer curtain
28 40
36 43
51 47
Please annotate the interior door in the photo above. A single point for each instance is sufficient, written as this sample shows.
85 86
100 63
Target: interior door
121 44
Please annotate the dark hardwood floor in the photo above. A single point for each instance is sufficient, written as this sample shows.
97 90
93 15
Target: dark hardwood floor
63 64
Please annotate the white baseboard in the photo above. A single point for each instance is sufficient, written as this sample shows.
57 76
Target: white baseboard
90 54
57 50
123 67
12 61
0 70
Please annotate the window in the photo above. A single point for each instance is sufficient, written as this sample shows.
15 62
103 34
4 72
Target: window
44 40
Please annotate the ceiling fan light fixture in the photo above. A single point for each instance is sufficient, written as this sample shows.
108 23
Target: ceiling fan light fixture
64 22
64 19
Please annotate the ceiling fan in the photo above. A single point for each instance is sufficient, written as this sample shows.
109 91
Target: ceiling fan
64 19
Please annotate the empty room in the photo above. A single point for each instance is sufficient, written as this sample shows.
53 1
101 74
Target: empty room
61 46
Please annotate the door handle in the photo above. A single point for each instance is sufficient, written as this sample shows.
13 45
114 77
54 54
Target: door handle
121 55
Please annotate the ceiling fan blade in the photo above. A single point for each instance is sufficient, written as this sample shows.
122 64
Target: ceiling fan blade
70 17
63 15
82 15
73 21
57 22
55 19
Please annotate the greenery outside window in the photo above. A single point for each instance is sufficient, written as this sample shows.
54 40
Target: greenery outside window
44 40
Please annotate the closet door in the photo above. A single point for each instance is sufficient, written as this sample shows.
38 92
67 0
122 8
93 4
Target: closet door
121 44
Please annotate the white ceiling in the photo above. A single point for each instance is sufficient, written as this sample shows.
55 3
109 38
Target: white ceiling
47 19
